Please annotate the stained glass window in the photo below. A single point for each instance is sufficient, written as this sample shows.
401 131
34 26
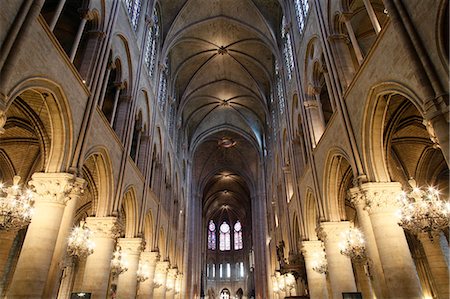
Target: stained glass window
151 45
237 235
287 49
225 237
134 10
301 12
211 235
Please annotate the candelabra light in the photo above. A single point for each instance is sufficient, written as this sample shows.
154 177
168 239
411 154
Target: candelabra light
319 263
353 244
16 206
422 210
118 263
143 272
80 244
283 282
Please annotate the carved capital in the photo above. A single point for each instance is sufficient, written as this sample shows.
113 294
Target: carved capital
132 246
311 249
161 267
104 227
2 121
381 197
172 273
55 187
311 104
150 257
331 231
356 197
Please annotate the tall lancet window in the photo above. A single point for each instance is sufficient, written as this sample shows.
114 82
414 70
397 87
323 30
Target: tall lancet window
225 237
151 45
237 235
211 235
134 10
301 12
287 49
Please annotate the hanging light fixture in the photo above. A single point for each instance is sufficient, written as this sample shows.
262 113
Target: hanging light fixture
353 244
16 206
286 282
143 272
118 263
319 263
80 244
422 210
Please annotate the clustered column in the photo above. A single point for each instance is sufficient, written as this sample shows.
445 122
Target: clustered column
170 283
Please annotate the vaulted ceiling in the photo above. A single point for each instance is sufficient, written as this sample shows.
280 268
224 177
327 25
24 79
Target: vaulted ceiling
221 56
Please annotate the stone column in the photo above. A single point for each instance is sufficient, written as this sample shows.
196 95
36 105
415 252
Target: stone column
316 124
6 243
51 287
436 260
398 266
372 16
353 40
170 283
339 266
178 286
376 270
159 292
317 282
127 282
84 18
98 264
52 192
148 258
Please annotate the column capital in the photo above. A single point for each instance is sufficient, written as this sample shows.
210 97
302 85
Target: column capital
131 245
379 197
56 187
172 273
150 257
104 227
162 266
311 248
2 121
331 231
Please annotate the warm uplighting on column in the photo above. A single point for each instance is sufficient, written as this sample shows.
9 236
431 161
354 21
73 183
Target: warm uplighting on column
319 262
80 242
286 282
422 210
16 206
158 281
143 272
353 244
118 263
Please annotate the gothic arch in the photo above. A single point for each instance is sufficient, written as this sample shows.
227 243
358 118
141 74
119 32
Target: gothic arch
104 184
131 208
149 230
311 215
337 179
373 126
55 118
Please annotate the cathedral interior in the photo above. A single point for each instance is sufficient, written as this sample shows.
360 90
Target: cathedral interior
224 149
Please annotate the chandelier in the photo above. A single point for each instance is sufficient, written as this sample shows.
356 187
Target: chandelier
353 245
142 273
422 210
118 263
80 244
16 206
286 282
319 263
